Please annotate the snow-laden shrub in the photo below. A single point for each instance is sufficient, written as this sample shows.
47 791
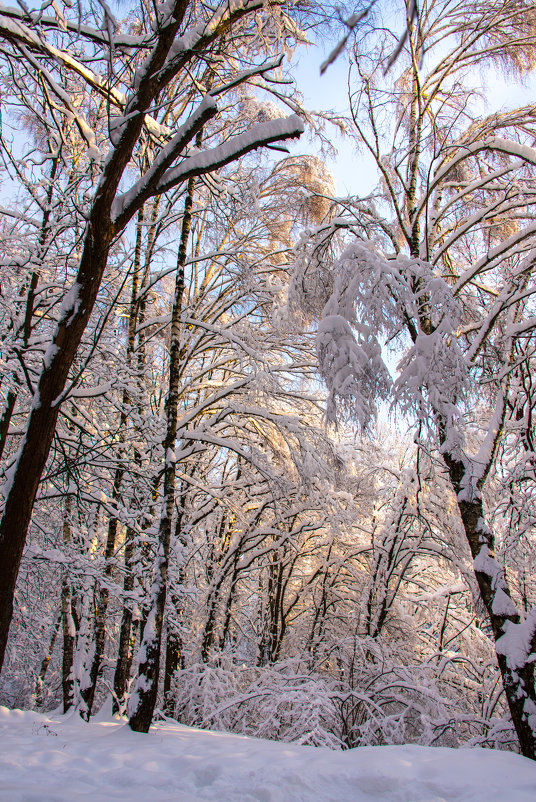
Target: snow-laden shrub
279 701
370 700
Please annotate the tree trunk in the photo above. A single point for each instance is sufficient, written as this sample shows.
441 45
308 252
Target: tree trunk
69 634
67 620
45 663
35 446
143 700
126 635
88 692
172 662
517 675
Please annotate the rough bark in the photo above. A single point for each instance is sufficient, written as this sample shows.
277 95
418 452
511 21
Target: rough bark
519 684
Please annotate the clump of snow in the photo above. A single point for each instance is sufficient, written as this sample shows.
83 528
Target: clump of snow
60 758
352 365
257 111
517 643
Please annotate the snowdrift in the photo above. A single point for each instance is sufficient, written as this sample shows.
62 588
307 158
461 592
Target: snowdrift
55 758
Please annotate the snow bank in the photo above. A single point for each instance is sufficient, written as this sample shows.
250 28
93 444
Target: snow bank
54 758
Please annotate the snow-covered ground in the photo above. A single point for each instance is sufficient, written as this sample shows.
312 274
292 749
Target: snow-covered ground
53 757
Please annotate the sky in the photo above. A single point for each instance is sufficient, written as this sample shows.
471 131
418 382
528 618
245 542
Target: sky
355 173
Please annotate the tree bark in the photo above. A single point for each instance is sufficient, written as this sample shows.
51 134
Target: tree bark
126 635
68 630
518 682
143 701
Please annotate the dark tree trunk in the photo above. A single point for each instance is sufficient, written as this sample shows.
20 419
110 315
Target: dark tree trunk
518 681
126 636
67 619
88 692
41 424
172 663
143 700
67 679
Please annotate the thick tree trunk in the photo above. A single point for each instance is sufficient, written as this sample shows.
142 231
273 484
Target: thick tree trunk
274 625
172 663
517 673
35 446
84 643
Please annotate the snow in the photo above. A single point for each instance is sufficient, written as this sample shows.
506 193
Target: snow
517 643
209 160
55 758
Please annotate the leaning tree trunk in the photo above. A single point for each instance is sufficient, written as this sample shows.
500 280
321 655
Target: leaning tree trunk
21 488
516 666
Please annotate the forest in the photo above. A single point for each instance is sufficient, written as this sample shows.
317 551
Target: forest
268 457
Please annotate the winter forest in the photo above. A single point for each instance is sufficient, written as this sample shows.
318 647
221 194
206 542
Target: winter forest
268 457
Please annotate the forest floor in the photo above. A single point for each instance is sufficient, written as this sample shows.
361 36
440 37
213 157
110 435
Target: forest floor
45 758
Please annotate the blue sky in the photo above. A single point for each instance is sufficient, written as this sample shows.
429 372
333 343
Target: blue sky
355 173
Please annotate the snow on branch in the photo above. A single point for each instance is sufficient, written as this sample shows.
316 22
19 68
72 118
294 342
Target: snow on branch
497 143
126 204
433 374
209 160
201 35
371 301
15 31
95 35
245 75
353 368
